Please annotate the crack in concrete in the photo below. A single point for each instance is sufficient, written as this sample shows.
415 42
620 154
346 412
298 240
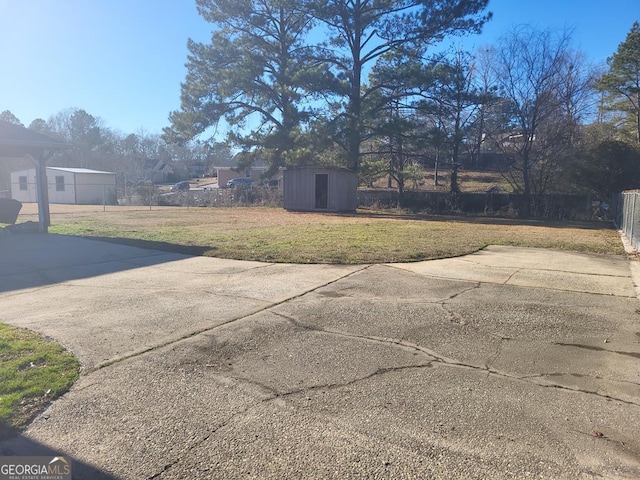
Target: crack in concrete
380 340
506 282
468 259
267 390
437 359
380 371
434 359
585 391
334 386
194 445
272 395
495 355
461 292
579 375
275 395
215 327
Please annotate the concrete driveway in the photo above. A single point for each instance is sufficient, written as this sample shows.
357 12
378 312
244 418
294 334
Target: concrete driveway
508 363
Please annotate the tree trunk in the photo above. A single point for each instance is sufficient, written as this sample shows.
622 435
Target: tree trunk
455 188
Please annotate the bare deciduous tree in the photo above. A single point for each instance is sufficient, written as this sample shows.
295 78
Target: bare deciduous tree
547 87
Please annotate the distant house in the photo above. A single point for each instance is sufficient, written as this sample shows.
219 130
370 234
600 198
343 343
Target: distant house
196 170
67 185
225 174
157 171
320 189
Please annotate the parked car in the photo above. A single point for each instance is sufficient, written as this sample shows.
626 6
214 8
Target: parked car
270 182
180 186
235 182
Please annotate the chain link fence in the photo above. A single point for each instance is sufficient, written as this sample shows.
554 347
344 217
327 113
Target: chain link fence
151 195
629 216
624 209
146 194
542 207
62 190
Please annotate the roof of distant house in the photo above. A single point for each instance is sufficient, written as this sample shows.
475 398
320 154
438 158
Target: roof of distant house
155 165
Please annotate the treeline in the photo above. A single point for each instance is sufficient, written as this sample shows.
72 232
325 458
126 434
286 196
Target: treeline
356 84
133 156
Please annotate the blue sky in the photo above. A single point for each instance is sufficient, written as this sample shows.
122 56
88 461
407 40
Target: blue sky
123 60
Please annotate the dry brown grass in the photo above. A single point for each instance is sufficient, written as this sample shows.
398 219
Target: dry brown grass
275 235
468 182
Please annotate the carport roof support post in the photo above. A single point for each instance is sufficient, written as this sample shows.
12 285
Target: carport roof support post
42 191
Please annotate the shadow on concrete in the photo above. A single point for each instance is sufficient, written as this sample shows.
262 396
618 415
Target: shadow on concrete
29 260
191 250
14 444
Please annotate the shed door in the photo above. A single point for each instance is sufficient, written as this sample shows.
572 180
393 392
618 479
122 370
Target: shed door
322 190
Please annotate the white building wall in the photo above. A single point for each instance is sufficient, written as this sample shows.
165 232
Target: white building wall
62 187
95 188
18 190
89 188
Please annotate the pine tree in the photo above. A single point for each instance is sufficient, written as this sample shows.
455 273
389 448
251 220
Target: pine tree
250 77
621 83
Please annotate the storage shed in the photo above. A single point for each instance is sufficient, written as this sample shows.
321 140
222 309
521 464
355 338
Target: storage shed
320 189
67 185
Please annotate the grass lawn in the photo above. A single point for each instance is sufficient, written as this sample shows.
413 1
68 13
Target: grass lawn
275 235
33 371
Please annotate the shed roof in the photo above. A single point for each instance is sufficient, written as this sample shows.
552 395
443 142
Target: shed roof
319 167
78 170
253 167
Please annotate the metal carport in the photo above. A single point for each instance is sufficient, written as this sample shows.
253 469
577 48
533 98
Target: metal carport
17 141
